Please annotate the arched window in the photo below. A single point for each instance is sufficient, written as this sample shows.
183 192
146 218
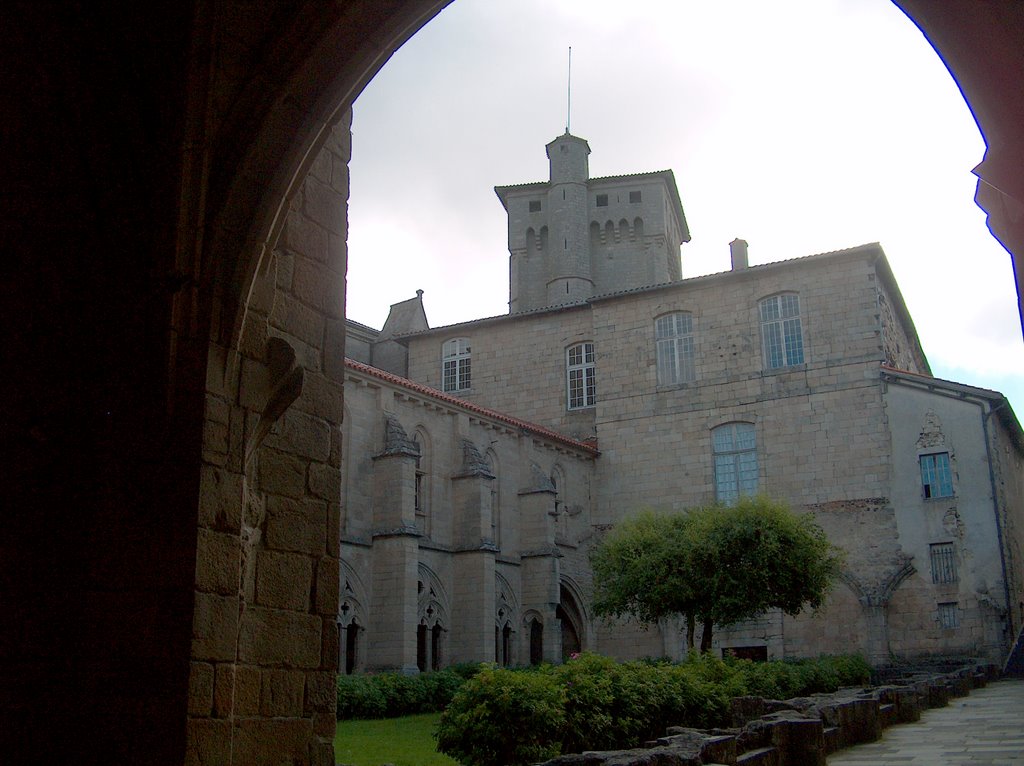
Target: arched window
422 487
735 452
673 335
579 376
351 621
568 613
782 339
456 366
432 616
505 612
536 642
492 462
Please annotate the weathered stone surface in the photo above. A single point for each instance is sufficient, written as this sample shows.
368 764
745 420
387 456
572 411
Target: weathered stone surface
200 689
281 473
216 427
217 561
224 691
301 434
214 626
321 396
208 742
330 645
745 709
302 235
325 481
247 690
283 580
324 205
281 693
295 318
320 692
272 742
297 525
278 638
327 584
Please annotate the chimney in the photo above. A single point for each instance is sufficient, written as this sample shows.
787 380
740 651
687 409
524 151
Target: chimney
738 252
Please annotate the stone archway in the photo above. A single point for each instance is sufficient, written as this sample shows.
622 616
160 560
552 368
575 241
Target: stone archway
271 230
157 150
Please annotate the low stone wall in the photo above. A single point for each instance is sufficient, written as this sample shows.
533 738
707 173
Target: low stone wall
797 732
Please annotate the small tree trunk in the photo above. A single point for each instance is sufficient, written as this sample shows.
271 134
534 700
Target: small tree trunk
691 630
705 638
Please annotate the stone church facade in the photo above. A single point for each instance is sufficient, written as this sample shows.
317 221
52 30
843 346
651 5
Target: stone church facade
802 379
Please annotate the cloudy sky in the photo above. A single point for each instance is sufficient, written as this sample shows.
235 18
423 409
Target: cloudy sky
802 126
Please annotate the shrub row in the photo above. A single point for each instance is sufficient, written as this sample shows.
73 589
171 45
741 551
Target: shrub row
594 703
387 695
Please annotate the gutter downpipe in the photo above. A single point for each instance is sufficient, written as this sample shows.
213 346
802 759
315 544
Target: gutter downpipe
986 412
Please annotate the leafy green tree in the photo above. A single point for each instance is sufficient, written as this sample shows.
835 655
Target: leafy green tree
714 565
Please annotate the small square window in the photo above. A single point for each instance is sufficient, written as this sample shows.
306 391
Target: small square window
634 196
535 206
602 200
949 614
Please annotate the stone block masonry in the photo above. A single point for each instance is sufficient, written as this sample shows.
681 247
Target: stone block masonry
265 639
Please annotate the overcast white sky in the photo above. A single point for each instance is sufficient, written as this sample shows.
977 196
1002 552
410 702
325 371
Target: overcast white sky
802 126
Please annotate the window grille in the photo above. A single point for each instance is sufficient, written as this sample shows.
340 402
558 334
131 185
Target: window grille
949 614
943 563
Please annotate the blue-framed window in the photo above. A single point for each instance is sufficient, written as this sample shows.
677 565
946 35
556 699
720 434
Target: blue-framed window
936 476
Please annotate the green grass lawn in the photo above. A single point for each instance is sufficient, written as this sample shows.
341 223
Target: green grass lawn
406 741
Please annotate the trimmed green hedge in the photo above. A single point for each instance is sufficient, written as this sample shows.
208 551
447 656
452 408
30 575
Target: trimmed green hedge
594 703
388 695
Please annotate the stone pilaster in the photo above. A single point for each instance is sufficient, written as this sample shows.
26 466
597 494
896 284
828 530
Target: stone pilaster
395 552
473 604
540 561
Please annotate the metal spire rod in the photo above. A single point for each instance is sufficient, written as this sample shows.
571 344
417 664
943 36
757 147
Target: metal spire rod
568 104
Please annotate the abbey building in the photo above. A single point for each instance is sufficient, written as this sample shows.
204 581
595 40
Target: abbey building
482 460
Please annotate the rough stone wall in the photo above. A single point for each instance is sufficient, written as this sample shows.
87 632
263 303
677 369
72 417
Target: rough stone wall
901 349
819 426
265 636
839 625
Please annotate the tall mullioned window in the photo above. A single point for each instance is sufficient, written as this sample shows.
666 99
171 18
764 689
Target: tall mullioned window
782 339
735 452
579 374
673 335
936 477
456 365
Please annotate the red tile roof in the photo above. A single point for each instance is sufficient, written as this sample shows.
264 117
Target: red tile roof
589 446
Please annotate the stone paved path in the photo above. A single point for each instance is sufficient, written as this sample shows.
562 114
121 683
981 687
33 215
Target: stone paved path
983 729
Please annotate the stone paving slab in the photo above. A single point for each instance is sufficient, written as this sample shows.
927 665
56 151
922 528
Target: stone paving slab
983 729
